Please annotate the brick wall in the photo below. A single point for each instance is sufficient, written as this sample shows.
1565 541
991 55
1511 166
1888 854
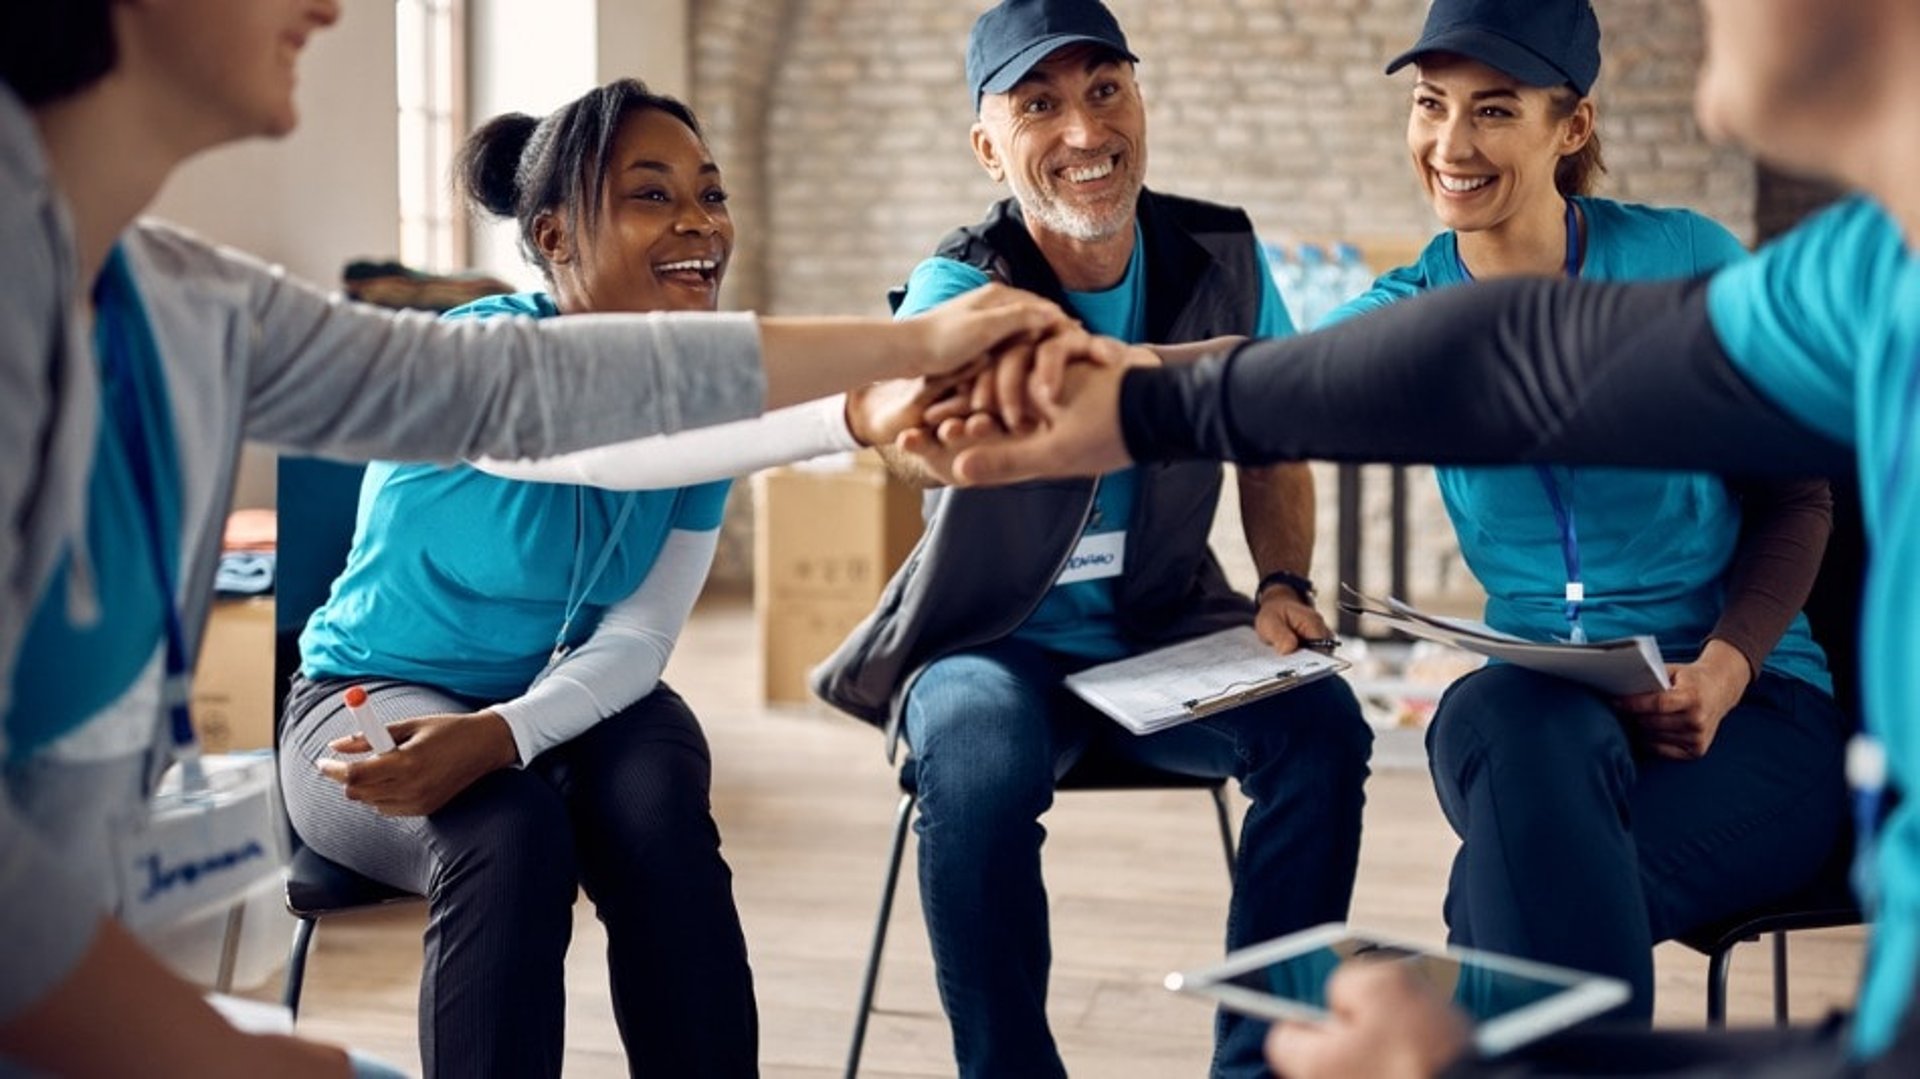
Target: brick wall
842 128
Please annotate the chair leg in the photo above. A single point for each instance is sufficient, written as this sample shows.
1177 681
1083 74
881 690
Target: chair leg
230 946
870 981
297 964
1219 792
1717 967
1780 979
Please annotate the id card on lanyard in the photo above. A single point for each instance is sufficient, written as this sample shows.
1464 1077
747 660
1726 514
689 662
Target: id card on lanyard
1558 499
201 846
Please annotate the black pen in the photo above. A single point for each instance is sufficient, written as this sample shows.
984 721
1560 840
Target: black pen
1320 644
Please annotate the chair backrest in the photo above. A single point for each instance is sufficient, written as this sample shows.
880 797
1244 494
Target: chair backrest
1833 608
317 502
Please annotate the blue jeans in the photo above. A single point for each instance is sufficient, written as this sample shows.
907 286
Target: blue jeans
1575 850
993 730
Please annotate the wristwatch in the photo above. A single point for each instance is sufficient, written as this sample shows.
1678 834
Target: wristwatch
1294 581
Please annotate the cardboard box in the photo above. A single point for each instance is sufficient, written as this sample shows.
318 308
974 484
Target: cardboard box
826 541
233 680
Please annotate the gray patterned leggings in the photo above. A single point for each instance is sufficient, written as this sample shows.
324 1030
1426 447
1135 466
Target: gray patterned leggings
623 811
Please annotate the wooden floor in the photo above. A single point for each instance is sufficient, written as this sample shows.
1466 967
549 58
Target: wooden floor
1138 888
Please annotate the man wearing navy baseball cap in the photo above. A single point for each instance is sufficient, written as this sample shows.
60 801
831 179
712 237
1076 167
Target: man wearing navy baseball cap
1013 37
1013 590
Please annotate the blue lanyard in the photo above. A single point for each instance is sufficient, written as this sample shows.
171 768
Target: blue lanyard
1576 590
1867 777
1576 252
117 307
576 591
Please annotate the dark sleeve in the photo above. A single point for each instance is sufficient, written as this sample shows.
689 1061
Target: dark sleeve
1756 1053
1508 371
1784 525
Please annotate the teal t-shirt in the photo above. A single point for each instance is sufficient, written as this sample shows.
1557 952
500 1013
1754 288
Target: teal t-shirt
1077 618
1654 547
1826 324
70 669
462 580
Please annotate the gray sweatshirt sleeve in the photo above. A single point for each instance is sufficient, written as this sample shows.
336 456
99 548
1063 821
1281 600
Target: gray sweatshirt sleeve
326 376
329 376
46 927
28 375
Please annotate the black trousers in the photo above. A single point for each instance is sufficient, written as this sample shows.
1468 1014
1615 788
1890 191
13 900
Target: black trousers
623 811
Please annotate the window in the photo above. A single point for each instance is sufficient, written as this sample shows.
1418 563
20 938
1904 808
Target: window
431 36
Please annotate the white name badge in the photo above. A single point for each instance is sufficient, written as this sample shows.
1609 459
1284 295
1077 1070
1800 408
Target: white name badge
1099 556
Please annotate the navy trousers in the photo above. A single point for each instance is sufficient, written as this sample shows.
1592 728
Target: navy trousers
1579 851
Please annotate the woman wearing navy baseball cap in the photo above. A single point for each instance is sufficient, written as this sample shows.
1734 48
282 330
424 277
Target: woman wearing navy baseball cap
1592 827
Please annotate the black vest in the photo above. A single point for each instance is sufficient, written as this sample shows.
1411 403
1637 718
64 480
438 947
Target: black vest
989 556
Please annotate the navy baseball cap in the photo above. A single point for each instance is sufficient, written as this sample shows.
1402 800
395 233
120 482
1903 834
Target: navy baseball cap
1014 35
1539 42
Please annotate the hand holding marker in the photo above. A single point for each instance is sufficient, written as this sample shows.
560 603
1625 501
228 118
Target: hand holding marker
370 725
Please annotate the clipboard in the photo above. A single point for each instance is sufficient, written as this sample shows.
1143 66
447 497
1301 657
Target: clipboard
1239 693
1196 678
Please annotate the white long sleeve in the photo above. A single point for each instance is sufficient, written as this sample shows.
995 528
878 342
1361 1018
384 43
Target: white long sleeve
622 659
709 453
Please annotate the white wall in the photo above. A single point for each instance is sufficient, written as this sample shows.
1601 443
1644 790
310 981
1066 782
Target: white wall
647 39
532 58
324 195
327 193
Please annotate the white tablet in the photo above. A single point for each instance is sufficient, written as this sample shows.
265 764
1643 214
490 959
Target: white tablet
1509 1001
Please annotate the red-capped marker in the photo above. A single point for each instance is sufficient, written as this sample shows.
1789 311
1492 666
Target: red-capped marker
370 725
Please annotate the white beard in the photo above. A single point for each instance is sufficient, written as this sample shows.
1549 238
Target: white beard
1084 224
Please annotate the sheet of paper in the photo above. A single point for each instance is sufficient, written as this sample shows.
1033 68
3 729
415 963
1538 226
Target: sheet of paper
1620 667
252 1016
1157 689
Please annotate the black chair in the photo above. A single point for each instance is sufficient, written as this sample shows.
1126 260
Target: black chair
1827 904
1833 609
1093 773
317 501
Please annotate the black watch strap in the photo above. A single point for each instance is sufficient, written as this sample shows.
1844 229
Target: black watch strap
1299 584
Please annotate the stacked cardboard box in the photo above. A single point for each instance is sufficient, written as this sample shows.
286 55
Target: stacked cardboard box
233 678
826 541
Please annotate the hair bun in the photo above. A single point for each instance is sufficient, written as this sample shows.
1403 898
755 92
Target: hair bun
489 163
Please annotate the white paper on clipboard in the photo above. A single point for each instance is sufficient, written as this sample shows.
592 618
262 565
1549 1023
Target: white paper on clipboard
1169 686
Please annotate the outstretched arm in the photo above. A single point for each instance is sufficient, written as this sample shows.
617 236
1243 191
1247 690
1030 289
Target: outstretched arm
1505 372
1499 373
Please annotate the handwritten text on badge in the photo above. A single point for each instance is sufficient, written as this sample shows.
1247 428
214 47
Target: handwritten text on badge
1098 557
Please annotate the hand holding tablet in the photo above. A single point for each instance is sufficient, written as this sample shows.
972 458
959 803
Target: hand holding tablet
1508 1001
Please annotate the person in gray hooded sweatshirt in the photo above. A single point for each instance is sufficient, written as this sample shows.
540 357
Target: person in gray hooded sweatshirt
135 358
